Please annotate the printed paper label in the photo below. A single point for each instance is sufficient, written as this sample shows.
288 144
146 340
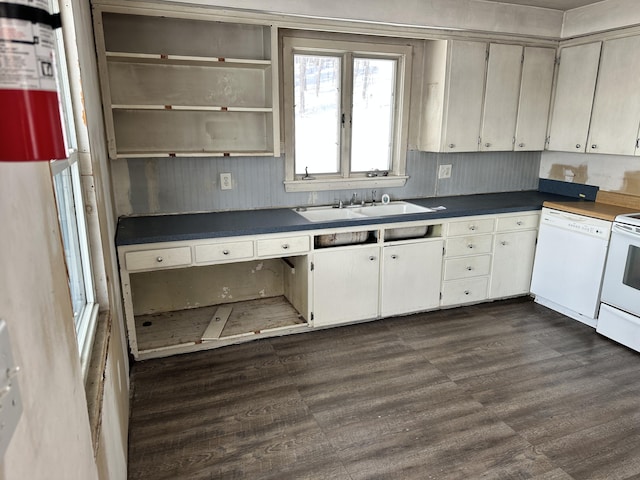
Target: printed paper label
26 55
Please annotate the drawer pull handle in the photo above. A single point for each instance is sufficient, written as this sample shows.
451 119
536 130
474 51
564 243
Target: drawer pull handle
469 268
519 223
159 259
470 245
467 292
372 258
393 257
226 252
285 246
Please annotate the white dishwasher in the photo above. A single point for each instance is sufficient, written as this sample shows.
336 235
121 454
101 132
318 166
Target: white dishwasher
569 263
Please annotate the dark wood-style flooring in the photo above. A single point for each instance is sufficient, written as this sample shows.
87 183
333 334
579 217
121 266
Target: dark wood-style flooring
504 390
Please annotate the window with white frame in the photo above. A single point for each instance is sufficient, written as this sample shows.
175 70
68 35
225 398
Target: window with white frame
346 112
69 200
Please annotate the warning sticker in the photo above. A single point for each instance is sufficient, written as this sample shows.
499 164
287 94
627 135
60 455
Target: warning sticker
26 56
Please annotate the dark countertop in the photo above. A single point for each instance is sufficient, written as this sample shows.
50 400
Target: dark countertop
195 226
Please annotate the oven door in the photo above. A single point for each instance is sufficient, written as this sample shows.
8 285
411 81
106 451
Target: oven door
621 287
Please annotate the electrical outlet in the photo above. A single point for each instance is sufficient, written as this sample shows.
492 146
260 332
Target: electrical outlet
444 171
225 181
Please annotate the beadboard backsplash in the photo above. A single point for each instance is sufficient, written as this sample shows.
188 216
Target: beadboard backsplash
181 185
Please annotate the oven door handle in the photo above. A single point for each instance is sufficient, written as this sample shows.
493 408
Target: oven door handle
626 231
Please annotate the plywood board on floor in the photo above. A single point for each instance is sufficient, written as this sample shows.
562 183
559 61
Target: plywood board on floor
187 326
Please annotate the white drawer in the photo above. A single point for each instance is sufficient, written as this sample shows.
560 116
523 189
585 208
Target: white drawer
465 227
217 252
471 245
464 291
519 222
159 258
465 267
282 246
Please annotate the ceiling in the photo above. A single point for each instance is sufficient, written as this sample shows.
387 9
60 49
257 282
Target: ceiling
555 4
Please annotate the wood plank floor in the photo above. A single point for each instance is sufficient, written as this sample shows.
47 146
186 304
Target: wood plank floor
504 390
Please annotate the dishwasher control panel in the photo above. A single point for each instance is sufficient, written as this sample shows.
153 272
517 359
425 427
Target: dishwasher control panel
594 227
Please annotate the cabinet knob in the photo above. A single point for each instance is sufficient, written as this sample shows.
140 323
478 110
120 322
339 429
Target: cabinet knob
225 252
519 223
469 268
285 246
577 145
594 146
503 243
521 145
452 145
470 245
159 259
487 144
372 258
467 292
393 257
472 227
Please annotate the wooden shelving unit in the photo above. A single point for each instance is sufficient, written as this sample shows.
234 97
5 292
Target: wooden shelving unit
187 86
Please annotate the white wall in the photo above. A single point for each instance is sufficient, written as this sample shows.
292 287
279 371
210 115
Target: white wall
53 439
615 173
602 16
477 15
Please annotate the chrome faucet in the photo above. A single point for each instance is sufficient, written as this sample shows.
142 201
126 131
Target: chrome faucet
373 197
354 199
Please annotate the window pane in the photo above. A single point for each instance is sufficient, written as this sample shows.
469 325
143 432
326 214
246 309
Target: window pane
68 224
373 107
317 113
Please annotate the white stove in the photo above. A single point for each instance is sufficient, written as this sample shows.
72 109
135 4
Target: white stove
619 317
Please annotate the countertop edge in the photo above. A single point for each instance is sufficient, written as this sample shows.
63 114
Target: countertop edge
459 206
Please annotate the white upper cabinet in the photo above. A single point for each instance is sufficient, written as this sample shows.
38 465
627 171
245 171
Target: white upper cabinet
187 86
453 95
463 96
616 108
502 91
535 98
575 88
488 97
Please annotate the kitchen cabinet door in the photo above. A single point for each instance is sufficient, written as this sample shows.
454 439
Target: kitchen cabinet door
504 69
535 98
411 277
512 263
575 88
345 284
616 108
463 98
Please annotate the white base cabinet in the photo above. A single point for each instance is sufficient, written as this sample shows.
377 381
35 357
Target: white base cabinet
277 284
411 277
514 249
345 284
512 263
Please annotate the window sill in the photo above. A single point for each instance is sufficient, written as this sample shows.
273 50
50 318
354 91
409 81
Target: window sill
319 184
94 385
